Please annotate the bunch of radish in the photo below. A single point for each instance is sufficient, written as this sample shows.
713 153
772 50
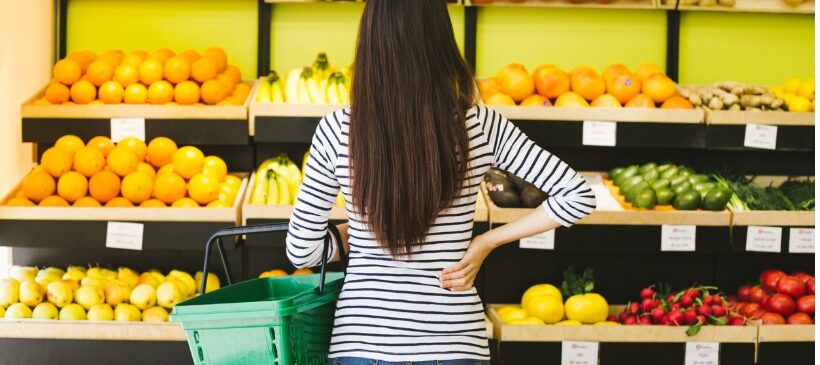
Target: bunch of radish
778 299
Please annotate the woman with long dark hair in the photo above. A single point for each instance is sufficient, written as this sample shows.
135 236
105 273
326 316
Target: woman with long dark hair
408 156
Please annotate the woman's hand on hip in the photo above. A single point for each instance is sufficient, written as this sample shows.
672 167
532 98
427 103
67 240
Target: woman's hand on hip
461 276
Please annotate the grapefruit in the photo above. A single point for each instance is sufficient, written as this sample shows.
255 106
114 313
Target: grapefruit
550 81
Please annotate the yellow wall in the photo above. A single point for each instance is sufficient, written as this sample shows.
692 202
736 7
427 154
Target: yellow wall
102 25
757 48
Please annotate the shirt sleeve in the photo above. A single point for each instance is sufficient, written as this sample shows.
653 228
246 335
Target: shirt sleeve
309 221
569 197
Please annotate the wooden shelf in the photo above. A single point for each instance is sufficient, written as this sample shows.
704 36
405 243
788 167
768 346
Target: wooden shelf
628 115
91 330
725 117
562 4
748 6
276 212
773 218
786 333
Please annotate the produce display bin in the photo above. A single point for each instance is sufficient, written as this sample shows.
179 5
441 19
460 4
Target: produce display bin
727 129
617 4
746 6
786 344
80 227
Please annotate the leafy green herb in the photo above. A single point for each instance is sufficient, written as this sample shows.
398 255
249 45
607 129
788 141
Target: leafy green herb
577 284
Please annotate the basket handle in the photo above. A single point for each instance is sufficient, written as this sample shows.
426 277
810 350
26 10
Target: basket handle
332 232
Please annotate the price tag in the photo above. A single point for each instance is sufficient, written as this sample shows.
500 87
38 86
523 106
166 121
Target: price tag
599 133
760 136
702 353
541 241
763 239
579 353
122 128
678 238
122 235
801 240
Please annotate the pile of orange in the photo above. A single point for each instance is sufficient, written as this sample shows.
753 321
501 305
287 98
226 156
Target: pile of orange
126 174
280 272
162 77
617 86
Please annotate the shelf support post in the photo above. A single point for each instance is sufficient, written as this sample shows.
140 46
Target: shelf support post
263 48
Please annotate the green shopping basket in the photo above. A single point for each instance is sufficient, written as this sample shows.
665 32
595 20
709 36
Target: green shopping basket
275 321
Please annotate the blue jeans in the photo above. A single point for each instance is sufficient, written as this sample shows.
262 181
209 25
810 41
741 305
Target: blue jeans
361 361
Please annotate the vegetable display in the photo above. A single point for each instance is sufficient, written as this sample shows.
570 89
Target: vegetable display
793 194
651 184
778 298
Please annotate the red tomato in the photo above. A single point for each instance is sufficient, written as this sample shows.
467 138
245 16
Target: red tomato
748 308
800 318
802 276
806 304
769 279
773 318
757 313
791 286
743 293
781 303
810 286
756 294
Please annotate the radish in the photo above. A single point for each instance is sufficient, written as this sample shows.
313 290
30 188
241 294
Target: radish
676 318
648 304
686 301
705 310
718 310
647 293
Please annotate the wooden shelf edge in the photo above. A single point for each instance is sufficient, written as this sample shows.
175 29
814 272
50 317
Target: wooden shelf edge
617 5
622 115
773 218
725 117
91 330
786 333
749 6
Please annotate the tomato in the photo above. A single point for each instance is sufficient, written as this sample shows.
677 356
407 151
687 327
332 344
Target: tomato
802 276
791 286
810 286
769 280
773 318
756 294
757 313
806 304
800 318
748 308
743 293
781 303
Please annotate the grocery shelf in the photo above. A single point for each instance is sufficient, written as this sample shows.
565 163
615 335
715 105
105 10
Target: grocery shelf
91 330
777 343
616 4
80 227
726 117
786 333
632 115
285 122
748 6
727 129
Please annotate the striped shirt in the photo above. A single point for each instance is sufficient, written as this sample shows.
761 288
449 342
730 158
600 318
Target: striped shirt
393 309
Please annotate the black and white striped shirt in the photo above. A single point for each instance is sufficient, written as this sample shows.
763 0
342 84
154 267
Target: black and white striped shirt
394 310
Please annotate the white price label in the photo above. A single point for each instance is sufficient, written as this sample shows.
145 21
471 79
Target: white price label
763 239
123 235
678 238
541 241
702 353
760 136
579 353
597 133
801 240
122 128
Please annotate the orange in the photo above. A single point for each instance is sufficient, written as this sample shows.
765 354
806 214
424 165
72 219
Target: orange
95 102
640 101
136 145
516 82
227 192
303 271
72 186
133 60
57 93
241 91
20 202
127 74
500 98
606 100
550 81
56 161
218 55
103 144
273 273
571 99
203 188
83 58
536 100
111 92
161 54
88 161
204 69
140 53
161 151
589 86
122 161
234 73
647 69
233 181
135 94
165 169
177 69
67 71
186 93
185 203
190 54
99 72
152 203
119 203
160 92
615 70
83 92
53 201
70 143
87 201
624 87
227 83
582 70
42 101
188 161
218 204
659 87
212 92
215 166
677 102
150 71
147 169
137 187
112 57
488 87
104 186
37 185
169 187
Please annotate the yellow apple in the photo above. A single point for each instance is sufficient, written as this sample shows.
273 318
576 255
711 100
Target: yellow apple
101 312
128 276
31 293
18 310
45 310
116 292
89 296
169 294
143 296
72 311
155 314
9 292
59 293
127 312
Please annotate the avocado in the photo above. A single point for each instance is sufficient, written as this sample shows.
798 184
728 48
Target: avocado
694 179
519 183
626 174
703 188
532 197
670 172
677 180
685 171
635 189
505 199
687 200
664 167
684 186
716 199
665 196
660 184
632 181
647 167
651 175
645 199
615 172
494 174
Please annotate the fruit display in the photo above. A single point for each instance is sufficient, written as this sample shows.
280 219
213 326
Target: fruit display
792 194
319 83
278 180
96 293
544 303
571 2
617 86
279 272
706 3
127 174
778 298
795 96
649 185
510 191
162 77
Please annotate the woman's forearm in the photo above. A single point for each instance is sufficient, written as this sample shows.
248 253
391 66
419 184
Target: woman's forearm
535 222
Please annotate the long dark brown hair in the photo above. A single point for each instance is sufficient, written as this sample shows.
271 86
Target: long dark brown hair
408 139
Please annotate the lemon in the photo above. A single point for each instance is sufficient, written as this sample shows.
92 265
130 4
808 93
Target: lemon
547 307
806 90
587 308
540 289
527 321
568 322
513 314
607 323
792 85
789 96
777 91
799 104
